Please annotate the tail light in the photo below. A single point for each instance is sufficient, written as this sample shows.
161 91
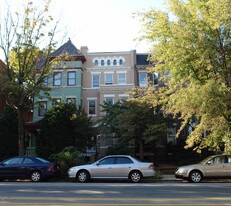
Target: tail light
151 166
51 168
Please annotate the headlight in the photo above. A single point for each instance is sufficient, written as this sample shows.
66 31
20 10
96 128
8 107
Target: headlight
72 169
180 170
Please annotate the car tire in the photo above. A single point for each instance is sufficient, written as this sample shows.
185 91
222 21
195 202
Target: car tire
83 176
135 176
195 176
36 176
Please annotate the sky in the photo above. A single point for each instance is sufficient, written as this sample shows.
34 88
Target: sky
101 25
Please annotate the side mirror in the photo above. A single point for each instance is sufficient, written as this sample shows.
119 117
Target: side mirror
209 162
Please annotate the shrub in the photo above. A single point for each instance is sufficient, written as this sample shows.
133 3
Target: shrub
67 158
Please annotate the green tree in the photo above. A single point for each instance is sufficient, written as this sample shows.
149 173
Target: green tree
64 126
26 43
135 121
191 43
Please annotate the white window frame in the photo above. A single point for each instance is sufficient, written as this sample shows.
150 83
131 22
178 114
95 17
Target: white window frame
144 81
111 96
88 105
57 79
71 79
106 74
125 77
92 80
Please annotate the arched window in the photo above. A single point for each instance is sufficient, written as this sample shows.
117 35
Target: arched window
120 61
96 62
102 62
108 62
114 62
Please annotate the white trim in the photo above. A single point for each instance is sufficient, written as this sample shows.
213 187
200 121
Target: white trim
109 95
92 98
124 95
121 72
109 72
92 72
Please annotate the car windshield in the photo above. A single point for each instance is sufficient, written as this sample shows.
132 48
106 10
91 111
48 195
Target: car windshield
206 160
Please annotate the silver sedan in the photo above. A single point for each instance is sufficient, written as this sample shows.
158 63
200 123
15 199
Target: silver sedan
217 166
113 167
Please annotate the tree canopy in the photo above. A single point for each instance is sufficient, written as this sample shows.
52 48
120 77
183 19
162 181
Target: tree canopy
135 122
63 126
26 40
190 46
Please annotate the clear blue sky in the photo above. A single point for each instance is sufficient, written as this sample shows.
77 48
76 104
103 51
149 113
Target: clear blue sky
102 25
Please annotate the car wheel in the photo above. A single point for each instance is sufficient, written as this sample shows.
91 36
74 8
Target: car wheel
195 176
36 176
135 176
83 176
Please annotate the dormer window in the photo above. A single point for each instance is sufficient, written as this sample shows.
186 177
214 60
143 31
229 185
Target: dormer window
108 62
102 62
120 62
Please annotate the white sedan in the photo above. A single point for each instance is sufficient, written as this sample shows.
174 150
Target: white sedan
113 167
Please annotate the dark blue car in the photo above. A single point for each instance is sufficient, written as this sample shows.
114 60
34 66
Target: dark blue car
26 167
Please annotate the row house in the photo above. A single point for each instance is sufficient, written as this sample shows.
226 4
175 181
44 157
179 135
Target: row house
89 79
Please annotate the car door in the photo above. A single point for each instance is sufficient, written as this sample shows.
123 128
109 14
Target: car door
123 166
228 166
103 168
11 168
216 167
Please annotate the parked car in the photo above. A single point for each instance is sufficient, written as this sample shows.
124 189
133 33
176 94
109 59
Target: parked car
26 167
216 166
113 167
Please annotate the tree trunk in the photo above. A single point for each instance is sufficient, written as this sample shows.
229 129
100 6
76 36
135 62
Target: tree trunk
141 150
21 139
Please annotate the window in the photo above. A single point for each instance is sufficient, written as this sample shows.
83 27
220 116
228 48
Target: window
155 79
114 62
102 62
109 100
123 97
56 101
71 100
45 81
95 80
171 135
108 78
92 107
107 161
28 161
120 62
143 79
121 78
108 62
14 161
57 78
71 78
123 160
42 108
96 63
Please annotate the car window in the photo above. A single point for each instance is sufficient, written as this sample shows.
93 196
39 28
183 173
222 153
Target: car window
28 161
42 160
13 161
123 160
219 160
107 161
